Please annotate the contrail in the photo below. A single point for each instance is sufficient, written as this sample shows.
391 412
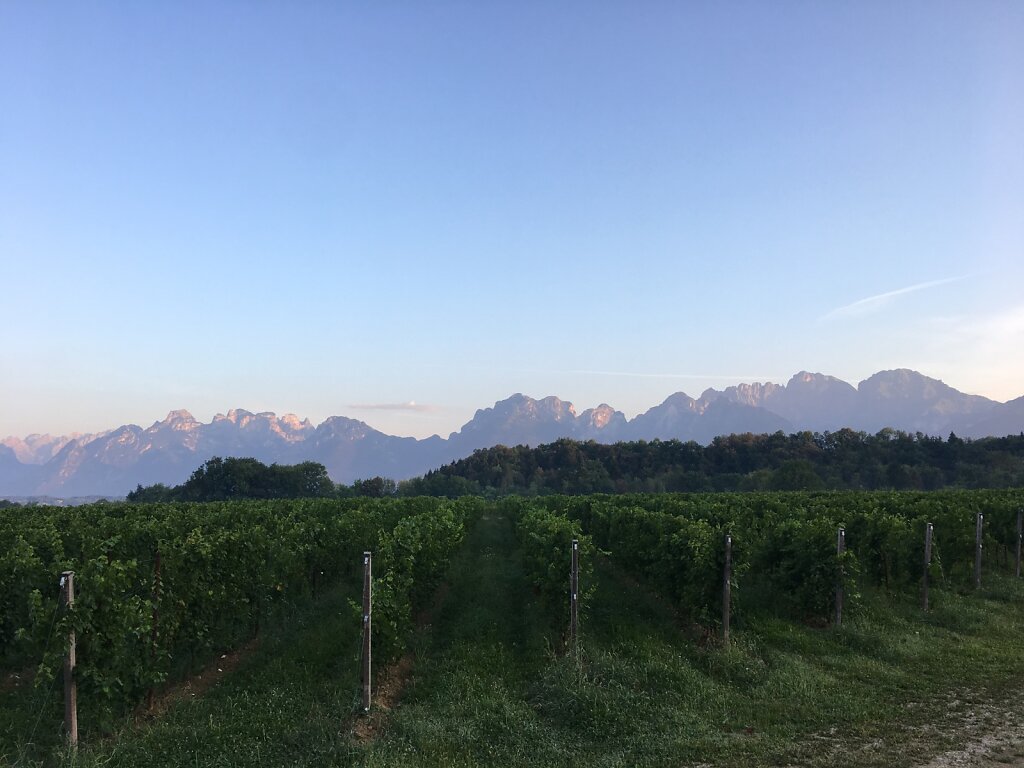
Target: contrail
873 303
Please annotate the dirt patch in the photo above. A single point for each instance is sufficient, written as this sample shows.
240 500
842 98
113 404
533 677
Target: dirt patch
991 735
968 730
198 684
394 680
390 687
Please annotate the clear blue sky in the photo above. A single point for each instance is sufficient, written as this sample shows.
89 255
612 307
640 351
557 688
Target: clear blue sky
320 207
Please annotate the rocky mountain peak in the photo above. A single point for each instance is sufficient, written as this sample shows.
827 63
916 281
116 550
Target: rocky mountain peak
40 448
600 416
289 427
349 429
903 384
179 420
294 423
603 423
902 381
916 402
806 377
816 382
240 417
679 400
707 397
560 409
756 394
517 420
520 406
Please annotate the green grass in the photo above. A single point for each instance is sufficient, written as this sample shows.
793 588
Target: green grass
892 687
469 704
27 716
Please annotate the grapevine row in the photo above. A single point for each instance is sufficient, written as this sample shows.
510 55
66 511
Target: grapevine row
162 586
785 544
545 539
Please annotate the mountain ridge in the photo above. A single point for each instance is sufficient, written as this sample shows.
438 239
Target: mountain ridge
115 461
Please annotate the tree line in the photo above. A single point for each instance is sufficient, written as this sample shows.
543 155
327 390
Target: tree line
804 461
841 460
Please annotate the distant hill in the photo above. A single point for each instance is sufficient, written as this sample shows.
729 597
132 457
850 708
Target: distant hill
112 463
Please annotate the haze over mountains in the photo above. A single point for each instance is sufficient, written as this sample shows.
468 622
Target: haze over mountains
115 462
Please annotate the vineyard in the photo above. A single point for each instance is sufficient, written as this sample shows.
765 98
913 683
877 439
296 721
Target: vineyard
162 588
784 545
823 593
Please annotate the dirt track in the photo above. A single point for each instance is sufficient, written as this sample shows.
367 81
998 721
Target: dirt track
989 734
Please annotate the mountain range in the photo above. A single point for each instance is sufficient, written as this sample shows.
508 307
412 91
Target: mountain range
113 462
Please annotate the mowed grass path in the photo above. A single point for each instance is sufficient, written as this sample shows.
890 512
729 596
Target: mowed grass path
470 703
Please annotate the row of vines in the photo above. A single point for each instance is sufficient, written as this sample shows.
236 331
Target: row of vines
784 545
162 587
545 539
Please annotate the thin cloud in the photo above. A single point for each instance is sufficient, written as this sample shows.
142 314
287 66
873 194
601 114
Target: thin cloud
875 303
409 406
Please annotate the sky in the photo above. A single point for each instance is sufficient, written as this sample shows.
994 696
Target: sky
401 212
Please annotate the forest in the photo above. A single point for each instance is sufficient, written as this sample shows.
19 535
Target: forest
804 461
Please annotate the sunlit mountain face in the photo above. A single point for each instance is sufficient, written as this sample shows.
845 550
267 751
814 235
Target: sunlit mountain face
116 461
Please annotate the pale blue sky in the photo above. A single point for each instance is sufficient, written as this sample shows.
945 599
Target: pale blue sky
310 207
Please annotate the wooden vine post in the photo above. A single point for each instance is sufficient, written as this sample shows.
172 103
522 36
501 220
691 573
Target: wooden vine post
727 589
67 599
574 595
367 612
979 528
927 562
840 548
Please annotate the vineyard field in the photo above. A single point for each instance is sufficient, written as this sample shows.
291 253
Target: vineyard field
470 618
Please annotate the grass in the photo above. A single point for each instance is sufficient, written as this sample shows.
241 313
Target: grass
467 706
892 687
